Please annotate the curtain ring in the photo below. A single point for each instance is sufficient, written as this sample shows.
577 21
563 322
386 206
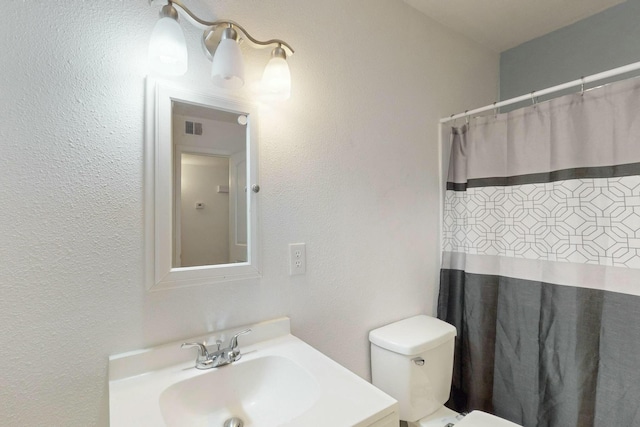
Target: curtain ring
466 118
533 99
582 86
495 109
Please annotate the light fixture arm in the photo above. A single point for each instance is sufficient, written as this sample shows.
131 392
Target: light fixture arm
217 23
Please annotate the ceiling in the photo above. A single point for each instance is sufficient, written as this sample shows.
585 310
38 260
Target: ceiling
200 112
503 24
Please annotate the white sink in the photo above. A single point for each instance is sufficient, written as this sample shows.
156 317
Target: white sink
279 381
266 391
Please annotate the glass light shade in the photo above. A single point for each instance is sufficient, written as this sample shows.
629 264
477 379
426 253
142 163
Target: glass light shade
276 80
168 48
227 70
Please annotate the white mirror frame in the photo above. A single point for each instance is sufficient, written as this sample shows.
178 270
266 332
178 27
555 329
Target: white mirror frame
159 189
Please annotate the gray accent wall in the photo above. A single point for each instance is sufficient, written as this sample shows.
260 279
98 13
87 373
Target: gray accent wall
603 41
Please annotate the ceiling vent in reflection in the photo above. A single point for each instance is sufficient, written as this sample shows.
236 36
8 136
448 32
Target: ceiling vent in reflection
192 128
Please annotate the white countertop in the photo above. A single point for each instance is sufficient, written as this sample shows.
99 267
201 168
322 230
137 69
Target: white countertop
344 400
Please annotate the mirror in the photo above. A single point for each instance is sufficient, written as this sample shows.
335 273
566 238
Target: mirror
210 170
201 167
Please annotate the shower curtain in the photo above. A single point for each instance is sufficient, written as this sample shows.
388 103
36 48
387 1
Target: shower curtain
541 261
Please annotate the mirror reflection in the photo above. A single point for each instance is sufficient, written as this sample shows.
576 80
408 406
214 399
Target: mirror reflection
210 186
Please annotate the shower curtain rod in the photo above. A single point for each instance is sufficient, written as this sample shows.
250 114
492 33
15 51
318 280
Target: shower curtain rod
531 96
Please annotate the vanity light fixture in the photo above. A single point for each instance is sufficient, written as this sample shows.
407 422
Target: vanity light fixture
276 79
221 41
228 67
167 47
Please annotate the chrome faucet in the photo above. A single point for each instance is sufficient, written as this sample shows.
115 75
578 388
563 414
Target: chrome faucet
220 357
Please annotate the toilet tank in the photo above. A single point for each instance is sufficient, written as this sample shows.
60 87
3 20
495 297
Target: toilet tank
397 351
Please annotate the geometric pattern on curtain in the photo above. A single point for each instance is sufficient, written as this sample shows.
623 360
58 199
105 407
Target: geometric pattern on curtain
592 221
541 261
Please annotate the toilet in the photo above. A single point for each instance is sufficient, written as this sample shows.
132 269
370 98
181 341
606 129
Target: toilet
412 361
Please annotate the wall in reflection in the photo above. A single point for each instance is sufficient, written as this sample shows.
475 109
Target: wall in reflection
204 207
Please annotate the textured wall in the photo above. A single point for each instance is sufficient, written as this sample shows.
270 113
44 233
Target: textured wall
348 166
603 41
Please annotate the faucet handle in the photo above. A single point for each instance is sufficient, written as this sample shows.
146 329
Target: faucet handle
202 350
233 344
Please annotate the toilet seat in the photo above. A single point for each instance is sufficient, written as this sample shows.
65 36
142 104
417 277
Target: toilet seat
482 419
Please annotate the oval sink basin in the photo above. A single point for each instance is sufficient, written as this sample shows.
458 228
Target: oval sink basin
266 391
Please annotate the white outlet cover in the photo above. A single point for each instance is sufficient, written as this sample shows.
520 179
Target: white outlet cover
297 259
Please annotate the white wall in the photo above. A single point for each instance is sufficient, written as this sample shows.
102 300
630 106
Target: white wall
348 166
204 232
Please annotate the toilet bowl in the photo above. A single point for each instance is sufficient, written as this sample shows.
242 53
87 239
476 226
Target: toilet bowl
448 418
412 361
440 418
482 419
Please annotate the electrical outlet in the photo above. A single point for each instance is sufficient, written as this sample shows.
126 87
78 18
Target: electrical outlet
297 259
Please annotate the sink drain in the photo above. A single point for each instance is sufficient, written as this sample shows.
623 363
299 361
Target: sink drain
233 422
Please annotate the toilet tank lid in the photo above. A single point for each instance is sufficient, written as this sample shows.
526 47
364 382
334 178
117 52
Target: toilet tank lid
413 335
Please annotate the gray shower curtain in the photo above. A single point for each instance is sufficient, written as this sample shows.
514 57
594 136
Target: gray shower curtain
541 261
